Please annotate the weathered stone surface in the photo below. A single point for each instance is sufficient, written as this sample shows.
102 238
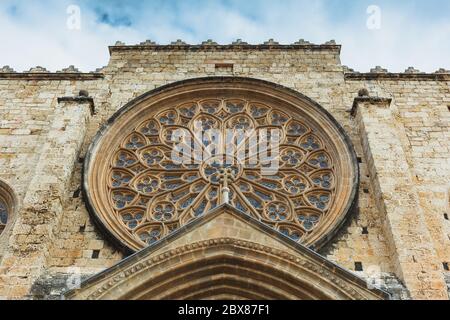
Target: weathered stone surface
42 145
51 286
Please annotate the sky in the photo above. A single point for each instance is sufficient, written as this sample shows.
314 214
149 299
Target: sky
393 34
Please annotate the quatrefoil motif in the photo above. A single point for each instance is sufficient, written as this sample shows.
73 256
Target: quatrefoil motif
153 157
277 211
295 185
148 184
309 222
151 236
291 157
164 212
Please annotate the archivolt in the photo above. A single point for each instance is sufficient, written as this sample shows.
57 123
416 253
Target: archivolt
226 268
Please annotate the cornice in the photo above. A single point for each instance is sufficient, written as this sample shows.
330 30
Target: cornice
372 100
397 76
50 76
232 47
79 100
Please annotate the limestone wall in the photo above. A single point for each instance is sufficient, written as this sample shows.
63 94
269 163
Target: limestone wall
422 115
29 103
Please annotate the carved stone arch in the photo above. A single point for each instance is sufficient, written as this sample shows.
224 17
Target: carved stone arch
225 254
8 206
225 268
126 165
250 275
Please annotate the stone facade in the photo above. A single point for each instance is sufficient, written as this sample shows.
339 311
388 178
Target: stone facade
400 128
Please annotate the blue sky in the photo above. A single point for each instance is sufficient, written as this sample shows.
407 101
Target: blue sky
412 32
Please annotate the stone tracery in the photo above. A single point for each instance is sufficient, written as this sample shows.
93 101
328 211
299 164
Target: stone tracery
150 196
153 195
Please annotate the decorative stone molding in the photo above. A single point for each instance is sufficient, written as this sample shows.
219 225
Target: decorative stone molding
56 76
410 74
353 289
356 76
381 102
209 45
83 97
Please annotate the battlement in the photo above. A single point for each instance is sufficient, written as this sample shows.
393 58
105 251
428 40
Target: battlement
231 54
237 45
41 73
410 74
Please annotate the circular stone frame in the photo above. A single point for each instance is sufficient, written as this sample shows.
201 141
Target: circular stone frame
108 136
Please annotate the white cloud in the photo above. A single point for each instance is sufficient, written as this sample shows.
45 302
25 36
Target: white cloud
39 36
37 33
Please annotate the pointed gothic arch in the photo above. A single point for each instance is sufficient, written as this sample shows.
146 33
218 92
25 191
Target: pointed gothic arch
244 260
226 267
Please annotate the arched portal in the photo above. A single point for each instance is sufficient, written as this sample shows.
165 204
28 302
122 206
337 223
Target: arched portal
225 268
227 275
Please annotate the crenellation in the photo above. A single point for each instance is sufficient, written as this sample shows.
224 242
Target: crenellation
412 70
378 69
271 42
302 42
330 43
239 42
6 69
442 70
38 69
148 43
70 69
209 42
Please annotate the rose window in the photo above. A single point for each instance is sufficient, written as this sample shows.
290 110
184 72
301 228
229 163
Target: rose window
141 194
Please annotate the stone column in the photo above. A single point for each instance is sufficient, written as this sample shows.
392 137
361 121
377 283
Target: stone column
411 245
39 216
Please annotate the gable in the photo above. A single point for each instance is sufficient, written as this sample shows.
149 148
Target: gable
227 240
